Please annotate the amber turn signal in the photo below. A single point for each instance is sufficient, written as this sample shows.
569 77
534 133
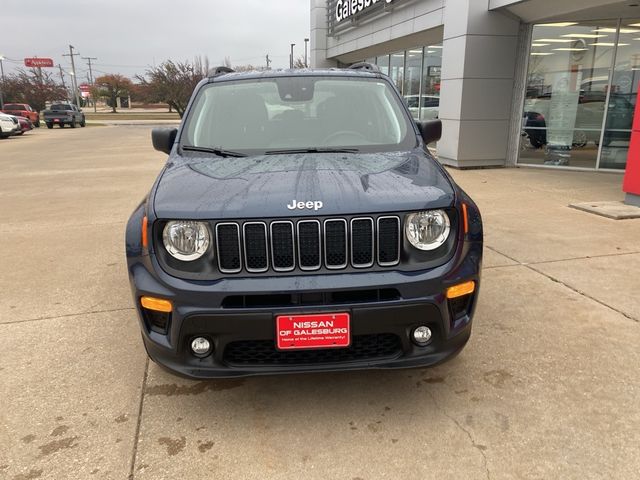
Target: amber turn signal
156 304
465 218
145 240
460 290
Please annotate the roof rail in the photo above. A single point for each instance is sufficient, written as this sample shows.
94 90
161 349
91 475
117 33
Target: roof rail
221 71
364 66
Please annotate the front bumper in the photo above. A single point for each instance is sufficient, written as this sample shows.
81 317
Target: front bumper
243 334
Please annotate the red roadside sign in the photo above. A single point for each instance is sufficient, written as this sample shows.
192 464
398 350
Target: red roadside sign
38 62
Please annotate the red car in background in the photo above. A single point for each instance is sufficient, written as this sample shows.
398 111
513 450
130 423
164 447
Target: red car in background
24 125
22 110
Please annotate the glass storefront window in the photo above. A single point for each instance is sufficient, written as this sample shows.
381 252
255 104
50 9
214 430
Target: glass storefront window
396 69
383 64
566 93
622 98
412 78
430 97
416 73
580 73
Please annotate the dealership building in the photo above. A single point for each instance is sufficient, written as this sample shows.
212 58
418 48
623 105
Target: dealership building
546 83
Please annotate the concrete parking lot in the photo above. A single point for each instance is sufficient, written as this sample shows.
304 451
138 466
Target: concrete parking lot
547 388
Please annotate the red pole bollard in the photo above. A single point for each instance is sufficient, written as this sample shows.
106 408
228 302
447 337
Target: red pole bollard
631 184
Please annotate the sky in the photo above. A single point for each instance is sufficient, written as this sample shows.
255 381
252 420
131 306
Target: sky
128 36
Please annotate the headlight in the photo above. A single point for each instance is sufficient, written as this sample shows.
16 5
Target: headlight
427 230
186 241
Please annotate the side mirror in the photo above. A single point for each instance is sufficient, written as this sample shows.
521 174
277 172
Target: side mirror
431 130
163 139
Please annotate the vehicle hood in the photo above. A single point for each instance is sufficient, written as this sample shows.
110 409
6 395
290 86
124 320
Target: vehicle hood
263 186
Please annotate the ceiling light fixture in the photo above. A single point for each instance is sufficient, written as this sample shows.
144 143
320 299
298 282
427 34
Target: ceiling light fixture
544 44
555 40
613 30
557 24
584 35
571 49
540 54
608 44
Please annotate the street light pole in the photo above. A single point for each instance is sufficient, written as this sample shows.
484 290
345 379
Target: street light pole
1 82
291 58
306 45
73 73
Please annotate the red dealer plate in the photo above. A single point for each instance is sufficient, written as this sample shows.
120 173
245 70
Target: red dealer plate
327 330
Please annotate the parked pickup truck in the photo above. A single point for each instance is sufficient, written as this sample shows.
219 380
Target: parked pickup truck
22 110
64 114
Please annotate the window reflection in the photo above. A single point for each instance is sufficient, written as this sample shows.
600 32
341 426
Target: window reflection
622 100
412 78
383 64
416 73
570 88
430 97
396 69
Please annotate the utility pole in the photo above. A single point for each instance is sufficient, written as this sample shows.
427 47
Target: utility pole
291 58
73 72
268 62
306 45
88 59
64 85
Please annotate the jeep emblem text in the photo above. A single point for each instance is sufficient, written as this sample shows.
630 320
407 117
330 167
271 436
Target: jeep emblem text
316 205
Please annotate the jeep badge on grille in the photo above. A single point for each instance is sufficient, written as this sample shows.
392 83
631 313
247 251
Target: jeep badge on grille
315 205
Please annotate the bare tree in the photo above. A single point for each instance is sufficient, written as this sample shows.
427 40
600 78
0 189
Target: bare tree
173 82
299 63
32 87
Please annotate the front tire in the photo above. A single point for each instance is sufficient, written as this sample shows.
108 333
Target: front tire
49 125
37 124
83 123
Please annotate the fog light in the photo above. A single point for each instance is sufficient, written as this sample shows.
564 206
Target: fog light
201 346
422 335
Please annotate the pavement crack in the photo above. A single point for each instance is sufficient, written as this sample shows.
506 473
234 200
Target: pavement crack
480 448
503 254
584 257
67 315
582 294
136 438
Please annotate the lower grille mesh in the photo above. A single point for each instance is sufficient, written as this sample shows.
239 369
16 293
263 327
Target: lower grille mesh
264 352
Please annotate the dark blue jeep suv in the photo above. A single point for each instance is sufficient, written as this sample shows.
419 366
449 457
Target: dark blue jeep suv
301 224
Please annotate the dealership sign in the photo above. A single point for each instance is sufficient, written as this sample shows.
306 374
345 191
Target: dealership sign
350 8
38 62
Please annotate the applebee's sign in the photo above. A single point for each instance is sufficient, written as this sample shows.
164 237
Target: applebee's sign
349 8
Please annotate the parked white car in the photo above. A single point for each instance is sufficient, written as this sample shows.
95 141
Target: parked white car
430 106
7 126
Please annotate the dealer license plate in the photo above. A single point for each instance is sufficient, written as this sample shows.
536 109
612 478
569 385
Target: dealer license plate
327 330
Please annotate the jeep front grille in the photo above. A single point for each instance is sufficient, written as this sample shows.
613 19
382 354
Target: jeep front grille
307 244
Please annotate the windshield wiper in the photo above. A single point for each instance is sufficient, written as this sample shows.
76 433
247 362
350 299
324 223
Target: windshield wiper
312 150
220 152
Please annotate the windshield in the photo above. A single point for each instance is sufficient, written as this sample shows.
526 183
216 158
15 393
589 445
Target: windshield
299 113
